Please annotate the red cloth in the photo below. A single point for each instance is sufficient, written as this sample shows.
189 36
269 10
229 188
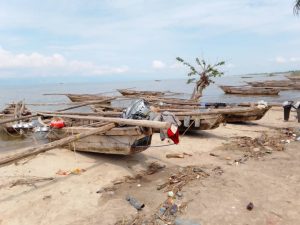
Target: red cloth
57 124
173 136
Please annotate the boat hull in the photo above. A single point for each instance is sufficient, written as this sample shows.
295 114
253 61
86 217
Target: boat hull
254 113
120 141
199 122
249 90
86 98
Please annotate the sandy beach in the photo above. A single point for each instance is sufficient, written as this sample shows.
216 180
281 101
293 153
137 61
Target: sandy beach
228 182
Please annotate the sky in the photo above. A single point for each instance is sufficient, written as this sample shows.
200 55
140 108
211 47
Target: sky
115 40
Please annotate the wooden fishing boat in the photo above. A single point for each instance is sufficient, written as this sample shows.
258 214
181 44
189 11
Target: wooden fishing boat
277 84
120 140
14 111
230 114
293 77
244 90
127 92
242 114
87 97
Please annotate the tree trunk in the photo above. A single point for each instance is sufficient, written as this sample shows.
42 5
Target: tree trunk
198 90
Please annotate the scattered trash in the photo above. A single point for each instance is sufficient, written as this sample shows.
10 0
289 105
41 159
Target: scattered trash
218 170
257 147
116 182
154 167
47 197
62 173
29 181
171 194
213 154
162 210
76 171
250 206
182 177
179 194
177 155
173 209
135 203
106 189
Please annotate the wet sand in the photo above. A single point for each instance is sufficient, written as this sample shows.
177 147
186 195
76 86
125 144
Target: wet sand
270 181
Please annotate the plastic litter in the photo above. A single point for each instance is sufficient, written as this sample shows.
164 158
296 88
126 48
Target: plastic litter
135 203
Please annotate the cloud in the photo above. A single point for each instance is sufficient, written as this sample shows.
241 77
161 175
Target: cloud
157 64
283 60
56 64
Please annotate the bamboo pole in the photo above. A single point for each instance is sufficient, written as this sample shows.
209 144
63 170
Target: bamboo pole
17 119
112 114
25 152
141 123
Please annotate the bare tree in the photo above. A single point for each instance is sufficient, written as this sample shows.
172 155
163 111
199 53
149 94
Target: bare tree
205 73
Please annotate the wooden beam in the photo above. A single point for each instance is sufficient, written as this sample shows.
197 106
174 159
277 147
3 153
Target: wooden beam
141 123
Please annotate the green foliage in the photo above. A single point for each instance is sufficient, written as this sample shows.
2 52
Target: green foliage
205 71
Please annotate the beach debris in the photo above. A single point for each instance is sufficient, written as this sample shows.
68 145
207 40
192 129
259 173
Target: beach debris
29 181
76 171
218 170
213 154
179 194
106 189
135 203
47 197
250 206
170 194
256 147
154 167
178 155
176 181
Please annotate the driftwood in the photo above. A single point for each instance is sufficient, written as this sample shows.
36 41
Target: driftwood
31 181
25 152
141 123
